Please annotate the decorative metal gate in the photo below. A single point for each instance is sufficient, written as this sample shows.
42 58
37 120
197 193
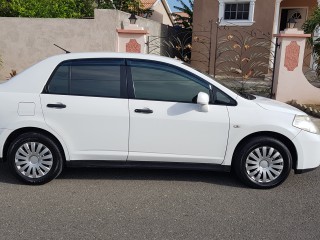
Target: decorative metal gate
240 57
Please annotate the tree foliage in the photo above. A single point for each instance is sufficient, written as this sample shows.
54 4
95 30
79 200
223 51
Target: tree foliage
66 8
130 6
47 8
312 26
185 21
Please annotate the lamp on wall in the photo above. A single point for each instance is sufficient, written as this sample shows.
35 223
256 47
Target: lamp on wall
291 23
133 19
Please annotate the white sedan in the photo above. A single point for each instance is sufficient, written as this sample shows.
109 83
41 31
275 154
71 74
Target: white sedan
134 110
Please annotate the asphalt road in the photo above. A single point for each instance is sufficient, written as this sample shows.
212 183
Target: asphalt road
158 204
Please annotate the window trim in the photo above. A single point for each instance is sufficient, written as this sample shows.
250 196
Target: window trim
123 81
227 22
126 82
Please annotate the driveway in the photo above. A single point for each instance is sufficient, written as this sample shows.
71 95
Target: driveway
158 204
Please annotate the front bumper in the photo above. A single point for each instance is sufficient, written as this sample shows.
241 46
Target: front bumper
308 151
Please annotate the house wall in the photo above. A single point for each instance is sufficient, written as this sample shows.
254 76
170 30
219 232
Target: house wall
26 41
206 12
311 4
160 14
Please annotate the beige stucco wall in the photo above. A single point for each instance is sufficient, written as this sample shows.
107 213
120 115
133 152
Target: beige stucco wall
160 14
26 41
208 10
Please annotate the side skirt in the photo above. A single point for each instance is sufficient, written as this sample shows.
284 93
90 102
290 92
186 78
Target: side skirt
150 165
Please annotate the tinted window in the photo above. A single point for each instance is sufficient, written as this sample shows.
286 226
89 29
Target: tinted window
60 81
222 99
99 78
157 81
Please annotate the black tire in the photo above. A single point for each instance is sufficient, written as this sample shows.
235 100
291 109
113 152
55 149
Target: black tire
47 169
245 164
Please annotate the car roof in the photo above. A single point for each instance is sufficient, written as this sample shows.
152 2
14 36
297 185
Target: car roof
72 56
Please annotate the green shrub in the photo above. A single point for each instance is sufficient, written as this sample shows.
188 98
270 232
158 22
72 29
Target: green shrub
47 8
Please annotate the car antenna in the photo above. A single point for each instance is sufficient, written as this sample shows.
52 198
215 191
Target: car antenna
61 48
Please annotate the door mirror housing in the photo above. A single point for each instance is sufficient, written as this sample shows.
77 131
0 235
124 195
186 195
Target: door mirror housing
203 100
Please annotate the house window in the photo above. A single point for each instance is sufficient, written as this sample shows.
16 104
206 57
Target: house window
296 15
236 12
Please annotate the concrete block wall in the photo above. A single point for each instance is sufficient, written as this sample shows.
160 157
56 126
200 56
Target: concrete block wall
26 41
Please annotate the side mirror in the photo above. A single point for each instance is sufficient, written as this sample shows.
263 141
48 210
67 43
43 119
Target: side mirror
203 100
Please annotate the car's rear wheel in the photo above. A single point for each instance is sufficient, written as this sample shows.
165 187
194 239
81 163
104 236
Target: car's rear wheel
35 158
262 162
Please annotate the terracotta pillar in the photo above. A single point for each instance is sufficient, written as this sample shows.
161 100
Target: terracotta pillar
290 82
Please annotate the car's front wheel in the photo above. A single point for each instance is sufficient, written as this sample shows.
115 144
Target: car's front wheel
35 158
262 162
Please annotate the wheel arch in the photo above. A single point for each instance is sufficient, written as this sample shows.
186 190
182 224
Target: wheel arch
285 140
23 130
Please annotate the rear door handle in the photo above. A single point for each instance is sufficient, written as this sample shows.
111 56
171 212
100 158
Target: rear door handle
144 110
56 105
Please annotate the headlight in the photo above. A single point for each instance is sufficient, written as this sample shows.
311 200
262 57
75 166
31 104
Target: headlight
305 123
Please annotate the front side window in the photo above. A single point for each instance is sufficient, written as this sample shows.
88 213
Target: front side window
163 82
90 77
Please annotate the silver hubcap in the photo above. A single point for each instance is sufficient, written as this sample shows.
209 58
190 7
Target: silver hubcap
33 160
264 164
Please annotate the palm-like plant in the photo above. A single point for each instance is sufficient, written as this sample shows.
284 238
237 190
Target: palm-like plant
185 21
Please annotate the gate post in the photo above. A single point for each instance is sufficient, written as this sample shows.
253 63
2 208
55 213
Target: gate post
131 38
289 80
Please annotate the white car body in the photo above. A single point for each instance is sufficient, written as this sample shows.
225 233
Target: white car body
109 129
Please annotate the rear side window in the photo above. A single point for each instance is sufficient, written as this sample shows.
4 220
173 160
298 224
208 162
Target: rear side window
59 83
89 77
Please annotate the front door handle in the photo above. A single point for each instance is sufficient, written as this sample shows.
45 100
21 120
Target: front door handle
56 105
144 110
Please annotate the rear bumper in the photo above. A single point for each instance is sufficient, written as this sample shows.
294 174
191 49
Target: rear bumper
4 133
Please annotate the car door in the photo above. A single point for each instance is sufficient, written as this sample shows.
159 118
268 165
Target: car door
85 102
166 125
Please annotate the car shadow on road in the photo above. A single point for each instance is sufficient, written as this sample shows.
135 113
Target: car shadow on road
217 178
6 176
